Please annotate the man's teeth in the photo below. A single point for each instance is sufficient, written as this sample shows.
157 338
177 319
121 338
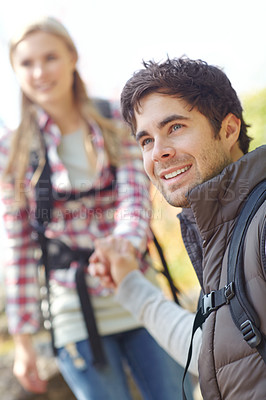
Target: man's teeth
175 173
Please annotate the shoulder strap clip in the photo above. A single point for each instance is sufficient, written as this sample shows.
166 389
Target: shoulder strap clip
250 333
216 298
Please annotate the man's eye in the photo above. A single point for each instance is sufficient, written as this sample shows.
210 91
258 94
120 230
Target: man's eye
176 127
146 141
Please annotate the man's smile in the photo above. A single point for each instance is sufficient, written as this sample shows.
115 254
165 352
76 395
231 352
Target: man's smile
176 172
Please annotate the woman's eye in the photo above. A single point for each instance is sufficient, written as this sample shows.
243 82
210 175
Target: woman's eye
50 57
26 63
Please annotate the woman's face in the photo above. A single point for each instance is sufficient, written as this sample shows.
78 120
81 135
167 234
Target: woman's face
44 68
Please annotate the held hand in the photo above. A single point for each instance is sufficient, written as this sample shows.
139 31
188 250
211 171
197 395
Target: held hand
25 367
113 259
99 266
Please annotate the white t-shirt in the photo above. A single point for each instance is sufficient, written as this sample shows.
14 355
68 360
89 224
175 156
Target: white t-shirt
71 151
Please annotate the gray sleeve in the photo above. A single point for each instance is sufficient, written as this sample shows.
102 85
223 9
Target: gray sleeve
170 324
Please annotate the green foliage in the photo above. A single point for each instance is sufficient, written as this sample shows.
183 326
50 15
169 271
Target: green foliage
255 115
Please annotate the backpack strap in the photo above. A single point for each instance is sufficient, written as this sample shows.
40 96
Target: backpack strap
243 314
44 206
165 270
263 247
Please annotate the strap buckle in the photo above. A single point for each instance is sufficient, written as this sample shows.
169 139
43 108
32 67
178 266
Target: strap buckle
217 298
229 292
208 303
251 333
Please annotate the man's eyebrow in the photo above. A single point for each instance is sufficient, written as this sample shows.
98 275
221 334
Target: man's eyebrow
140 134
162 124
171 118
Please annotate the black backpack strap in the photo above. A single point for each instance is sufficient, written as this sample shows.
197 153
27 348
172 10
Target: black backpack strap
44 196
165 270
88 314
263 249
207 304
198 321
243 314
43 214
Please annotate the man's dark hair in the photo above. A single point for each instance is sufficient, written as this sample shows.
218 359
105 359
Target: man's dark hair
203 86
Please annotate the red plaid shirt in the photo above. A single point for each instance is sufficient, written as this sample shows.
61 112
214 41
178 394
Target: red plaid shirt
124 211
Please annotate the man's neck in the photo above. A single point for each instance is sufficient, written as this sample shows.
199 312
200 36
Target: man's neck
236 152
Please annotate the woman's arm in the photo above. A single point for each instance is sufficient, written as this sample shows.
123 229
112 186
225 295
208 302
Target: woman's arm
25 365
21 288
19 266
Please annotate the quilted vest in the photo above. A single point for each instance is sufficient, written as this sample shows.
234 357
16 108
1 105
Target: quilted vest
229 369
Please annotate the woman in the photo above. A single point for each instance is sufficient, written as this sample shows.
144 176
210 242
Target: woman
63 139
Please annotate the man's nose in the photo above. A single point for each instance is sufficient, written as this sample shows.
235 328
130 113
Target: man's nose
162 150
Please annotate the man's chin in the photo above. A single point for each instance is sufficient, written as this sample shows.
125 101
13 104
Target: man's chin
176 200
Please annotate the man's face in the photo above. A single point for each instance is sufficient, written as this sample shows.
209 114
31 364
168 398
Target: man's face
178 146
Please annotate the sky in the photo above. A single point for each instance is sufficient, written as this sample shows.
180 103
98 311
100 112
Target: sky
114 36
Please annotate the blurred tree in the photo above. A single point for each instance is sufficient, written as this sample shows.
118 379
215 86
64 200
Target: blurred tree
255 115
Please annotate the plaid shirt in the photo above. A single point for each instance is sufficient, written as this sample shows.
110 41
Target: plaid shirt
124 211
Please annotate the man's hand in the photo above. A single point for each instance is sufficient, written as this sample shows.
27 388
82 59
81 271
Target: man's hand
114 257
25 367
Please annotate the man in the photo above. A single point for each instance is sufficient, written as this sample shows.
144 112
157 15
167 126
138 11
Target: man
188 121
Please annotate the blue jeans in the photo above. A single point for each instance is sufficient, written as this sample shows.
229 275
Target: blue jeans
156 374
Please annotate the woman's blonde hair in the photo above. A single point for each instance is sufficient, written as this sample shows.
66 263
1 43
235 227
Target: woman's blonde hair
25 137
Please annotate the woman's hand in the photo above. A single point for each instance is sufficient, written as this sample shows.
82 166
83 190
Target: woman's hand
25 366
114 258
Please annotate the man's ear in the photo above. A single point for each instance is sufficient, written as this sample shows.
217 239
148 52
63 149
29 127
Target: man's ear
231 126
